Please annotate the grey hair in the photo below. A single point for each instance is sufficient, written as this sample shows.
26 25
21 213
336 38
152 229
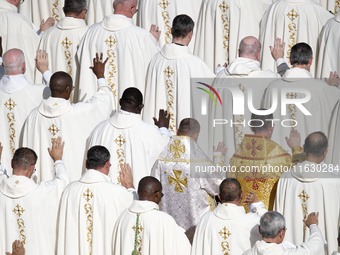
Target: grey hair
117 2
271 223
13 65
74 6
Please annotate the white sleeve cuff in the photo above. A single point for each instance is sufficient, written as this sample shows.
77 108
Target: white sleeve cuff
47 76
254 206
58 162
0 59
164 131
280 61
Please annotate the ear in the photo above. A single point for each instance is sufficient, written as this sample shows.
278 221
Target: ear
290 61
219 197
310 61
177 131
11 163
241 195
171 30
325 153
259 229
140 107
86 164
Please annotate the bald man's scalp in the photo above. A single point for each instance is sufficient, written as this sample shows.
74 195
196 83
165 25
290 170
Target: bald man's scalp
230 190
13 61
59 82
189 127
316 144
249 47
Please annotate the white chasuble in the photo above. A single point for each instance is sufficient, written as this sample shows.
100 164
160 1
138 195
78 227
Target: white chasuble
331 5
17 32
73 122
18 98
222 24
89 209
129 140
129 49
29 211
333 155
306 189
168 83
329 48
146 230
61 43
293 21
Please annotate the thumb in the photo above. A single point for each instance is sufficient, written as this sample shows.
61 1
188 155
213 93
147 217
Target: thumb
287 139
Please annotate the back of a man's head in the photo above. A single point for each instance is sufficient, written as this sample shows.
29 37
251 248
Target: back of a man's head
301 54
230 190
74 7
148 189
132 96
182 25
260 123
23 159
271 223
125 7
14 62
250 47
189 127
316 144
59 82
97 156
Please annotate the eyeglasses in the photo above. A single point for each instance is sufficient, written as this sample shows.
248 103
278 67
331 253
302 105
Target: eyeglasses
158 191
34 170
22 1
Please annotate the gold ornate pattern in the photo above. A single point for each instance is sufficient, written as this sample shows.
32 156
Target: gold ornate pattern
238 128
170 99
10 104
336 7
292 15
225 233
54 130
18 210
111 41
139 238
177 149
304 197
292 107
255 179
179 182
88 195
166 18
67 44
120 141
55 10
253 147
225 21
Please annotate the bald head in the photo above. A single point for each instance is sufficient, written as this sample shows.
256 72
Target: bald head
150 189
189 127
14 62
316 144
230 190
125 7
61 85
250 47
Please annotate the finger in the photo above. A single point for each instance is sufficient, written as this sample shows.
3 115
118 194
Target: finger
128 167
287 139
97 57
107 59
271 48
101 57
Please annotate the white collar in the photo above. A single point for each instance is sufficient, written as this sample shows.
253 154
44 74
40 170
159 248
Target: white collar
13 83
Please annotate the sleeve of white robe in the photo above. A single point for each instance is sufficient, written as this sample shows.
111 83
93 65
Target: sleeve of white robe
61 178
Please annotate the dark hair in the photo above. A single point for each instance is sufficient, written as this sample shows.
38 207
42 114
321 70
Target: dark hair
300 54
23 158
97 156
182 25
189 127
230 190
132 96
261 122
316 144
74 6
59 82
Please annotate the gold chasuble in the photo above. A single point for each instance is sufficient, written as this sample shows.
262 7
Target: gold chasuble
259 164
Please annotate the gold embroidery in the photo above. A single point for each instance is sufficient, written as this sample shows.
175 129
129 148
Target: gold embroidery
337 6
211 202
53 130
225 21
177 149
225 233
55 10
88 195
178 180
139 238
10 104
304 197
238 128
67 44
120 153
292 15
18 210
112 69
292 107
166 18
170 100
17 182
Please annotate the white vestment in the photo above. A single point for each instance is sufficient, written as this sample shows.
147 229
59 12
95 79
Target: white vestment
168 83
129 49
295 84
331 5
309 188
157 232
162 13
335 253
227 229
293 21
329 48
18 98
97 10
29 212
89 209
17 32
314 246
129 140
61 43
333 155
222 24
73 122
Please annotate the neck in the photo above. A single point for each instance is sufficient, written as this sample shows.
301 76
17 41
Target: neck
124 13
183 41
306 67
20 172
276 239
314 159
263 133
238 202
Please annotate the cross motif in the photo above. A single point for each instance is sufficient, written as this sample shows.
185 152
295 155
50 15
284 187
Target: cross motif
291 95
253 147
18 210
53 129
168 72
10 104
164 4
225 233
292 15
120 141
178 180
304 196
110 41
255 180
66 43
17 182
241 88
87 195
177 149
140 228
223 6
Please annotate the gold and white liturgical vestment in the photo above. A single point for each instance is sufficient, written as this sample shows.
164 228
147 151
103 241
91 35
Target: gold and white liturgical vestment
129 49
73 122
142 227
17 32
18 98
293 21
29 211
329 48
61 43
310 188
129 140
222 24
226 230
168 83
89 209
187 198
